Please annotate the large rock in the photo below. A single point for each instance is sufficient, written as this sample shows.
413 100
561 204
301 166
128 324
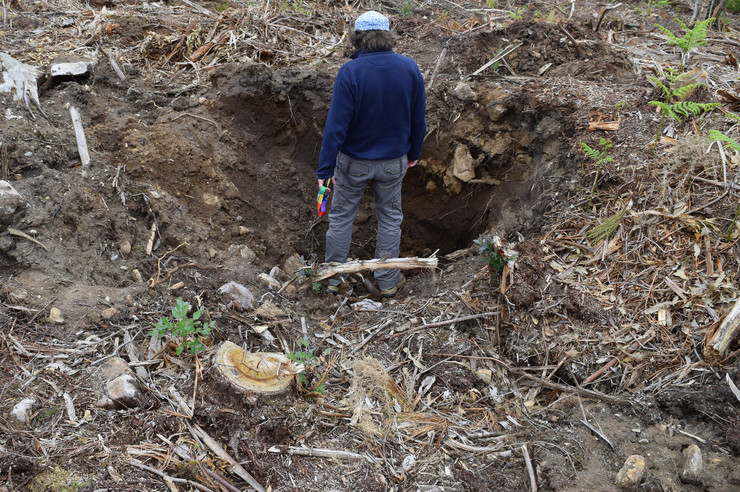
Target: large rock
10 202
119 388
630 476
239 296
21 413
463 164
16 76
693 465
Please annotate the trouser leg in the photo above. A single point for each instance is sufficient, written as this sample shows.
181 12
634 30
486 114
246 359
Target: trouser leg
387 187
351 181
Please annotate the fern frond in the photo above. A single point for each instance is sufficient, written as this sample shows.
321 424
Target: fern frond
666 90
698 35
718 136
685 91
672 39
689 108
591 152
666 108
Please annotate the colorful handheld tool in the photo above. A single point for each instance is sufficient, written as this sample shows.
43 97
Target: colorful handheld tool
321 200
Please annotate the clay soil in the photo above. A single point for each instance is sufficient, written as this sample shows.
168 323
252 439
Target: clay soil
213 147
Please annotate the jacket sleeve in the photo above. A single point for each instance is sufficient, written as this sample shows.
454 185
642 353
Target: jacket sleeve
337 125
418 119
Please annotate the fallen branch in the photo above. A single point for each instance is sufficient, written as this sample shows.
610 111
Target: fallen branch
506 51
164 476
16 232
443 323
718 342
318 452
604 125
530 469
579 52
330 269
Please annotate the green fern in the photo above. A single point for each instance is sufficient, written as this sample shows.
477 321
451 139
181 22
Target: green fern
693 38
718 136
600 157
679 110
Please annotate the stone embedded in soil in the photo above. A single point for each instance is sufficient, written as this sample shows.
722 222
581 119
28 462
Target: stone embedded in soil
55 316
464 92
119 387
269 311
292 264
10 202
693 465
237 294
463 164
108 313
18 78
71 68
631 473
21 413
125 247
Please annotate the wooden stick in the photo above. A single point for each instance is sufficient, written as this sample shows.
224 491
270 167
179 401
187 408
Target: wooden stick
507 51
579 52
448 322
436 67
604 125
530 469
81 140
317 452
330 269
139 464
221 453
16 232
718 342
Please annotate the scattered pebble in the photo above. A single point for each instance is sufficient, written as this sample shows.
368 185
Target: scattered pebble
693 465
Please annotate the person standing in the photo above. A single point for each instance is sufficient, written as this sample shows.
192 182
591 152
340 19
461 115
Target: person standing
374 132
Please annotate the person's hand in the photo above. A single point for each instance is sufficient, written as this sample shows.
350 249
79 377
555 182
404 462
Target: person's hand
412 163
333 182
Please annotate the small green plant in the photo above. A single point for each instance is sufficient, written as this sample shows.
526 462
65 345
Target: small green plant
598 156
183 329
491 249
222 7
407 9
733 5
316 287
693 38
605 229
309 381
518 14
493 4
718 136
674 89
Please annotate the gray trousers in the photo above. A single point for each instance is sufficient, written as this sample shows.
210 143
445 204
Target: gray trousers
352 177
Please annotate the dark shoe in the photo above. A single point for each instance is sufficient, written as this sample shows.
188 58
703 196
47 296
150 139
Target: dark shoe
393 290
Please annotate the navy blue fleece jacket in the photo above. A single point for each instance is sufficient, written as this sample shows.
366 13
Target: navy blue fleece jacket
377 110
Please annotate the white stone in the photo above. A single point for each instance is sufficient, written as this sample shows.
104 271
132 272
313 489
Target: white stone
464 92
71 69
10 201
121 392
631 473
21 413
693 465
238 294
16 76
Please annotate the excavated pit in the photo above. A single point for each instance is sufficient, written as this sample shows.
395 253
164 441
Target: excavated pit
481 171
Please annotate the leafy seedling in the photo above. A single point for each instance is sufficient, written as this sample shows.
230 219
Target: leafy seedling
309 381
493 255
183 329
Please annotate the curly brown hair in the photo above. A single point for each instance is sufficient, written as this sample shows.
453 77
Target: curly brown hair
372 40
